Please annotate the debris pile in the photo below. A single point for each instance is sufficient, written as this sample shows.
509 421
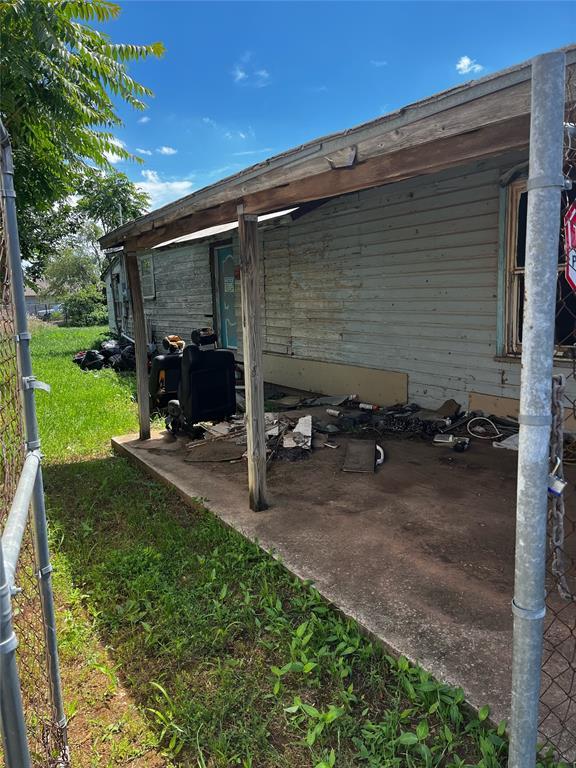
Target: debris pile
363 424
118 354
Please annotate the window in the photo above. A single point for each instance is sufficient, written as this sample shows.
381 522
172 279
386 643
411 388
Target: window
147 276
565 331
116 299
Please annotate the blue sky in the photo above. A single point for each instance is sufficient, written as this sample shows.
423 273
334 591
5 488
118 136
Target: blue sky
241 81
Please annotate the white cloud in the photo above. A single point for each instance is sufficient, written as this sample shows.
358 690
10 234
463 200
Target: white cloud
261 78
143 151
143 120
378 62
465 65
252 152
209 121
114 157
238 73
245 73
166 151
230 135
162 191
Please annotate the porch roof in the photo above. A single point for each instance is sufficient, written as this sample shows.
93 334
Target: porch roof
478 118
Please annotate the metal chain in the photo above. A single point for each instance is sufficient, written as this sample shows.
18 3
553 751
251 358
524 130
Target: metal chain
557 509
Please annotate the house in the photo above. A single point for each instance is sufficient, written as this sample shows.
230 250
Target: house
388 260
38 300
407 289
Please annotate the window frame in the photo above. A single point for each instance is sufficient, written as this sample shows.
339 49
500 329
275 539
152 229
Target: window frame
513 347
147 258
513 273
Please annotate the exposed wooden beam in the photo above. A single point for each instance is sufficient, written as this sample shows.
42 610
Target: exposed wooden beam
428 157
253 366
211 217
416 161
140 343
444 115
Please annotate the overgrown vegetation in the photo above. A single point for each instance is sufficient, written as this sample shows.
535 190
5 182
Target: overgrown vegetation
230 659
63 82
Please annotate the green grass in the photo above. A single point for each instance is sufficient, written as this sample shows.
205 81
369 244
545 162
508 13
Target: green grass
84 409
229 660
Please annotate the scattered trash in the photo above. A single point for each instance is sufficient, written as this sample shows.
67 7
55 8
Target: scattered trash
480 427
360 456
92 360
449 409
459 444
300 436
119 355
511 442
220 429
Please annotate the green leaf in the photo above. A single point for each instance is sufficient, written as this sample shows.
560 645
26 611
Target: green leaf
422 730
310 710
483 713
301 629
407 739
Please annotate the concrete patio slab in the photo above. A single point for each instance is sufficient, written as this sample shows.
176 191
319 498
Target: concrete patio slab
421 553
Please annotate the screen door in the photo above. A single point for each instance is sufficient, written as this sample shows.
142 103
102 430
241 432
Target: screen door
226 284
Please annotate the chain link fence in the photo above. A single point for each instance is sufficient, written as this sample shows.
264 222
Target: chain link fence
558 694
46 737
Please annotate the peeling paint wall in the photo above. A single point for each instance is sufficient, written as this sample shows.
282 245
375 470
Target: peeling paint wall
399 278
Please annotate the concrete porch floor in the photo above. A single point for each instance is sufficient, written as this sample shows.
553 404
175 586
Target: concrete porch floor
421 553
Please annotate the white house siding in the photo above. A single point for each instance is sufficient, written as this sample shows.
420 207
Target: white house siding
183 291
400 278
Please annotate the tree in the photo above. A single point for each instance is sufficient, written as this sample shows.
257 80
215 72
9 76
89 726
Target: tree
111 199
60 78
86 307
76 264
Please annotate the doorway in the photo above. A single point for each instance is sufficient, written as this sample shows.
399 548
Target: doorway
225 274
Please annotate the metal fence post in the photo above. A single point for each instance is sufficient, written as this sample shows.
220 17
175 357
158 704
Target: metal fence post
29 384
544 186
13 726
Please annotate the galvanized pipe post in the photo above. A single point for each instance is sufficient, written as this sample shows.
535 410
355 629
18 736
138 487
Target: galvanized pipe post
13 726
545 183
28 386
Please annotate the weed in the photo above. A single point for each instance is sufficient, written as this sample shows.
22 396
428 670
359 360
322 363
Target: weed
230 659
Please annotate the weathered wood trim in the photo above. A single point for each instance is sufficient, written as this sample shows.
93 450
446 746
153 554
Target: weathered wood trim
396 166
140 343
252 354
216 319
210 217
501 301
423 159
489 101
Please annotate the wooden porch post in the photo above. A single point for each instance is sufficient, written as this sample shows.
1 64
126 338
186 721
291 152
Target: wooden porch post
253 368
140 342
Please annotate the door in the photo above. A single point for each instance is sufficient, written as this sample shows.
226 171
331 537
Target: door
226 286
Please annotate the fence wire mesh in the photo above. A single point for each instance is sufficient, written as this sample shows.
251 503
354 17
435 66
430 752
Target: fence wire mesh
558 694
43 734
